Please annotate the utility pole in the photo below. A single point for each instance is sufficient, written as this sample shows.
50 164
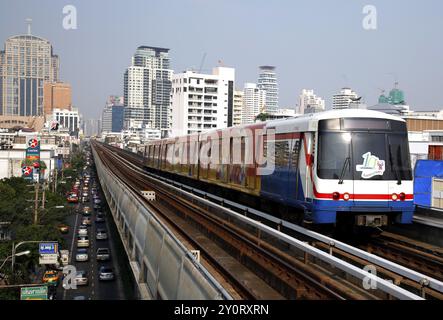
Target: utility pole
37 186
44 195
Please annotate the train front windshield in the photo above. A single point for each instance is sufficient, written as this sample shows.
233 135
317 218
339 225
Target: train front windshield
363 149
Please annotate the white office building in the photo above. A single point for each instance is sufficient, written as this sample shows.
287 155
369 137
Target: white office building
310 103
345 99
64 120
202 102
238 108
254 100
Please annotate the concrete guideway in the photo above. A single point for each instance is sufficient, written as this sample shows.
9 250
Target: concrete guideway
162 266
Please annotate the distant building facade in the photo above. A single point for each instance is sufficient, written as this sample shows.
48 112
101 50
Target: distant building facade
202 102
238 108
345 99
267 81
310 103
113 115
91 127
254 101
26 63
67 119
56 95
147 90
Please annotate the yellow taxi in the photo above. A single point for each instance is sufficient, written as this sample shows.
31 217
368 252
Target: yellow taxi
51 277
63 228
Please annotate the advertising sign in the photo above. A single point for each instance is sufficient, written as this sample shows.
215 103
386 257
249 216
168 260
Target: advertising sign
48 259
48 248
27 172
34 293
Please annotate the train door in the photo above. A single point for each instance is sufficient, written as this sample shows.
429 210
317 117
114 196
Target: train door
369 161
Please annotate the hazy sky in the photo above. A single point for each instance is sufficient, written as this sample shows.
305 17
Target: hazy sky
314 44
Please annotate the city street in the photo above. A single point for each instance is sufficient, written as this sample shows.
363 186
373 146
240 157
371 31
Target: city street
95 289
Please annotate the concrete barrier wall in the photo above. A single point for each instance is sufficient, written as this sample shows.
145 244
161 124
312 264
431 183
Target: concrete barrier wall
162 266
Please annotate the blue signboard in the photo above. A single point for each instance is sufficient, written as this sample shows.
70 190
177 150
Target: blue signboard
48 248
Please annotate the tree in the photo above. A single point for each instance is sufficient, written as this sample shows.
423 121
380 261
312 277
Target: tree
262 116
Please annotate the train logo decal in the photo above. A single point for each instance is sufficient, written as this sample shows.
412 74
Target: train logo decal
372 166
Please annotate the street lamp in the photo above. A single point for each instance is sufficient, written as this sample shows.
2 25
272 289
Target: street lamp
16 255
14 248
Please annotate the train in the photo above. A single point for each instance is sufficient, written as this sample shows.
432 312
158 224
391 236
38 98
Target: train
348 167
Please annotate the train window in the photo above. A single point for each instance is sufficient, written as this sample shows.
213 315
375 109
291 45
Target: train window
295 153
333 150
398 151
365 124
330 124
282 153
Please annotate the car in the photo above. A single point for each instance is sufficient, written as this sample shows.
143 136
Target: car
72 199
82 242
97 207
51 277
103 254
82 255
85 199
86 221
86 211
101 234
97 201
106 273
85 194
79 298
81 278
82 230
100 217
63 228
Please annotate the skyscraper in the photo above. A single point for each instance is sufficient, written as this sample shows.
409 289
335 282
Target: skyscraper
267 81
254 100
310 103
147 90
26 63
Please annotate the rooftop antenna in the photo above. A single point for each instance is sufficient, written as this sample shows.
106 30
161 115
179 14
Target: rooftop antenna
29 23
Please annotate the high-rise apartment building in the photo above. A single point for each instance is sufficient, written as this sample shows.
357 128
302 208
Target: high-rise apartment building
147 90
345 99
26 63
267 81
238 108
202 102
310 103
254 101
112 117
56 95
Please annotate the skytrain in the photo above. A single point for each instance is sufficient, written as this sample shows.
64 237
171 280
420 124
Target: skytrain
348 168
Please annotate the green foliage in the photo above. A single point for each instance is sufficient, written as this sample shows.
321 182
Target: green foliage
15 208
262 117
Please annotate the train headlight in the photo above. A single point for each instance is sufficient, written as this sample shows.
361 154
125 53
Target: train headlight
346 196
394 197
336 196
402 196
